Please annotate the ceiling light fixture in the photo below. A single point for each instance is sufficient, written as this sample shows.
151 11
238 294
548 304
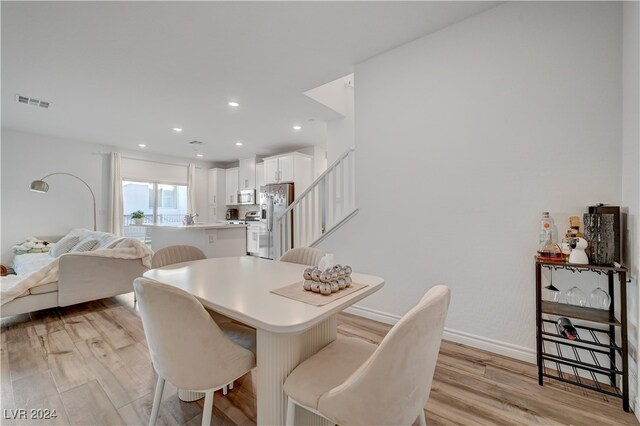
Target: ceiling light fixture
234 104
141 145
297 127
177 129
199 155
238 143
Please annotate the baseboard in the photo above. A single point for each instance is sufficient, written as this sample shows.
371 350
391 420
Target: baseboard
468 339
373 314
495 346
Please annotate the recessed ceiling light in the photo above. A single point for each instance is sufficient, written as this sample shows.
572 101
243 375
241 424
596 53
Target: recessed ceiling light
238 143
141 145
199 155
296 127
177 129
234 104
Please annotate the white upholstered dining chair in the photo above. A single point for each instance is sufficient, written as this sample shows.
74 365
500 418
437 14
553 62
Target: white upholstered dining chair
176 254
187 347
303 255
352 382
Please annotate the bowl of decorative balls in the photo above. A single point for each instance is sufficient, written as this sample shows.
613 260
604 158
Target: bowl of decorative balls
331 280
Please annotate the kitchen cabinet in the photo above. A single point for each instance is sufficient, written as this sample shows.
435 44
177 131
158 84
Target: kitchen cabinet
285 168
216 194
214 211
259 179
231 177
271 170
292 167
253 233
247 173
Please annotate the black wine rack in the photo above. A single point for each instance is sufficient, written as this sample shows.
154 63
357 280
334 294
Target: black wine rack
596 359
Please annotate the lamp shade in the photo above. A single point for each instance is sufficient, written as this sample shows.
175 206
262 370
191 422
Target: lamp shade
39 186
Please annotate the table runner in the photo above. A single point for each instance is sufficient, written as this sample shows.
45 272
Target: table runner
297 292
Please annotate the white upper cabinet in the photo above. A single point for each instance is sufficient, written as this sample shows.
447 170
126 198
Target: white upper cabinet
293 167
216 194
247 173
259 179
271 170
285 168
231 176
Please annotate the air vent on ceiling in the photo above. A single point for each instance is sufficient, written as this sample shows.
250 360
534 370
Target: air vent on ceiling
32 101
196 143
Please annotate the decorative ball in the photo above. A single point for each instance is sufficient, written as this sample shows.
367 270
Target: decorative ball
341 273
334 275
325 277
307 284
315 286
325 289
307 273
334 287
348 281
348 270
315 274
341 283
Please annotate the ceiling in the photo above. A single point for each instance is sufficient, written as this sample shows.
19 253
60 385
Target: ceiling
124 73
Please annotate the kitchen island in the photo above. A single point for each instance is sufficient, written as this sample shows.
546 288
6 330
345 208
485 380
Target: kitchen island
214 239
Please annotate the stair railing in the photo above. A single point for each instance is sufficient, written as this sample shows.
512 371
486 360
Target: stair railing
320 209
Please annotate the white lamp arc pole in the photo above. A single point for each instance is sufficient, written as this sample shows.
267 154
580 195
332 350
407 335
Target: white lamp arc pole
42 186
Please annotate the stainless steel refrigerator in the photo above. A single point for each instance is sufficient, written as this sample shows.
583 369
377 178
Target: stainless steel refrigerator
274 200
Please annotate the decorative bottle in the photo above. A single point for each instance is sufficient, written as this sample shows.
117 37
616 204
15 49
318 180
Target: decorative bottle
548 250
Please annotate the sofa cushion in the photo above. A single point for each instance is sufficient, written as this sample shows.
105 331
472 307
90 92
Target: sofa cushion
84 245
64 245
46 288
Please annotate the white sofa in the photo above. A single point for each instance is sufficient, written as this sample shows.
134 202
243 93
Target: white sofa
80 279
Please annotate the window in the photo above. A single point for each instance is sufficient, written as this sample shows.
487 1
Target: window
159 202
167 196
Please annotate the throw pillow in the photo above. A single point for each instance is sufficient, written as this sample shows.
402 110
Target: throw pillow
84 245
103 241
64 245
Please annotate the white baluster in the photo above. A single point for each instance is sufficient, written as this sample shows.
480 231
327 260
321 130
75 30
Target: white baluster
352 174
314 213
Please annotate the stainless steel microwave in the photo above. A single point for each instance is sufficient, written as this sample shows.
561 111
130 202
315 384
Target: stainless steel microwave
247 196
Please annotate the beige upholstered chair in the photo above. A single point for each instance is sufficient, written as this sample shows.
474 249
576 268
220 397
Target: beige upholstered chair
352 382
303 255
176 254
187 347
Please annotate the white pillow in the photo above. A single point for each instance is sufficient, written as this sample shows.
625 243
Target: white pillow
84 245
64 245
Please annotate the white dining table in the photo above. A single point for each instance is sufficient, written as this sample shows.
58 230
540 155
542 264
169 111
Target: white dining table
287 331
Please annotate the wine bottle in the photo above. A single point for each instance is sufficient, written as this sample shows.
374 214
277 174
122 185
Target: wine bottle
567 329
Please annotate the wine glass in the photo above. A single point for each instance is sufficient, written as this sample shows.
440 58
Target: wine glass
575 296
599 298
552 293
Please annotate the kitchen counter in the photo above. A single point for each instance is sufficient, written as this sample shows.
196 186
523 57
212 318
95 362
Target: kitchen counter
199 226
214 239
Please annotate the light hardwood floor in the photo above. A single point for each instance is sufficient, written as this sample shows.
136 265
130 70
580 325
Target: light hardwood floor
90 363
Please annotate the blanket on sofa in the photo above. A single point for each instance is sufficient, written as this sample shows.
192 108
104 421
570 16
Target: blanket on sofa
14 286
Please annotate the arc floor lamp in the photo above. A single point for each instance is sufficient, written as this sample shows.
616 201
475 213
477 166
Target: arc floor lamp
42 187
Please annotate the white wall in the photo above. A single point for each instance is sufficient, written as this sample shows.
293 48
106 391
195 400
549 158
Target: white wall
463 138
630 164
341 131
25 157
